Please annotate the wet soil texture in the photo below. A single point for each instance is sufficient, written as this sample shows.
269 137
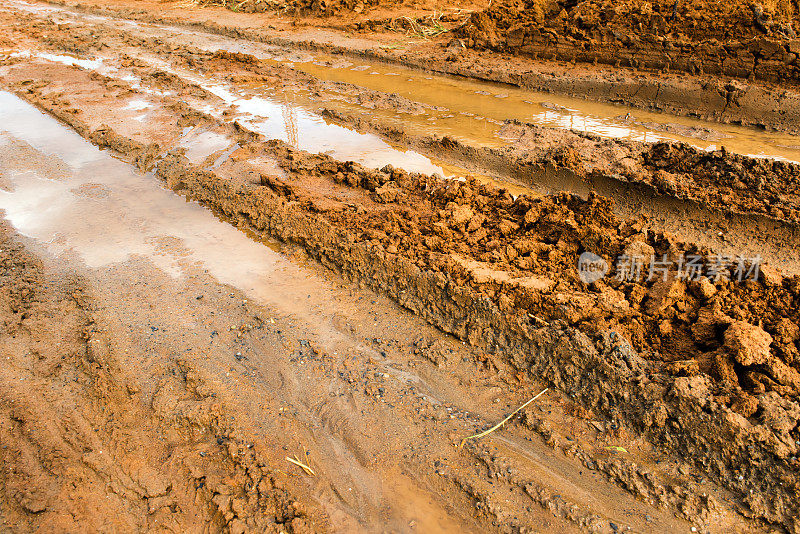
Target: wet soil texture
277 269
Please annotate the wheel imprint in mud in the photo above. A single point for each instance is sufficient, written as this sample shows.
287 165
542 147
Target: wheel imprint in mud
500 272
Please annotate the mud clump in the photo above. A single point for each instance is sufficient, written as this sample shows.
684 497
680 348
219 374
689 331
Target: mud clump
499 272
311 7
739 39
721 179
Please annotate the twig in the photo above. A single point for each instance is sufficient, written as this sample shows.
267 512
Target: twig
301 465
501 423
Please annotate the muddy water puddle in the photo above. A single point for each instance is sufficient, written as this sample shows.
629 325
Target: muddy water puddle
79 201
308 131
275 118
82 204
474 110
303 128
464 109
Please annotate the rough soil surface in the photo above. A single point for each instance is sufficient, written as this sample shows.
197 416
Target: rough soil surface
81 452
697 19
317 7
738 39
401 13
192 395
698 381
668 359
718 180
745 100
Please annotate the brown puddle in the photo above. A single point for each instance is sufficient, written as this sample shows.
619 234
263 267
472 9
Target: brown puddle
473 110
100 211
464 109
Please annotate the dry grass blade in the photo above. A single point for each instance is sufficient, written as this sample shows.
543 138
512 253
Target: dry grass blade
504 421
425 27
301 465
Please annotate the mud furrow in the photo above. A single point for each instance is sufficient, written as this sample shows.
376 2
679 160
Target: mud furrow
695 380
435 270
721 182
757 104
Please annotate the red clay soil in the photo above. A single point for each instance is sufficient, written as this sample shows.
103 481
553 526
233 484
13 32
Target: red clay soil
500 272
740 39
325 8
707 369
81 453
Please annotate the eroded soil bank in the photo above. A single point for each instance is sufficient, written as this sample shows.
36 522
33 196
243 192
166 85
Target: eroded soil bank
745 40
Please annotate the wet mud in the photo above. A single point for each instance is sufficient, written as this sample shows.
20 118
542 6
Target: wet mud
736 39
720 182
499 272
711 97
673 396
187 376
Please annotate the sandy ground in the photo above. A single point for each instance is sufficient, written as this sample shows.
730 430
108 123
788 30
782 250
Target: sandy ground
270 263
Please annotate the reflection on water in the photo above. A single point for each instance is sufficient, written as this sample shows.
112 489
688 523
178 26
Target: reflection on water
77 200
465 109
473 109
310 132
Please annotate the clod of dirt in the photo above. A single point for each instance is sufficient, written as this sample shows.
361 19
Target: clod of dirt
747 343
736 38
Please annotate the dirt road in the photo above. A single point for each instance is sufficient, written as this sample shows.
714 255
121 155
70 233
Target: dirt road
255 279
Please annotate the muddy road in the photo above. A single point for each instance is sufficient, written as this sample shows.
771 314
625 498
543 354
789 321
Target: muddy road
266 273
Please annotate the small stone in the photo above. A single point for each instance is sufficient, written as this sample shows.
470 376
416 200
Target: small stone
639 250
663 294
388 192
531 216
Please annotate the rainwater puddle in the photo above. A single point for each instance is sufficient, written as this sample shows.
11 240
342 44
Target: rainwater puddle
471 109
465 109
308 131
78 201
